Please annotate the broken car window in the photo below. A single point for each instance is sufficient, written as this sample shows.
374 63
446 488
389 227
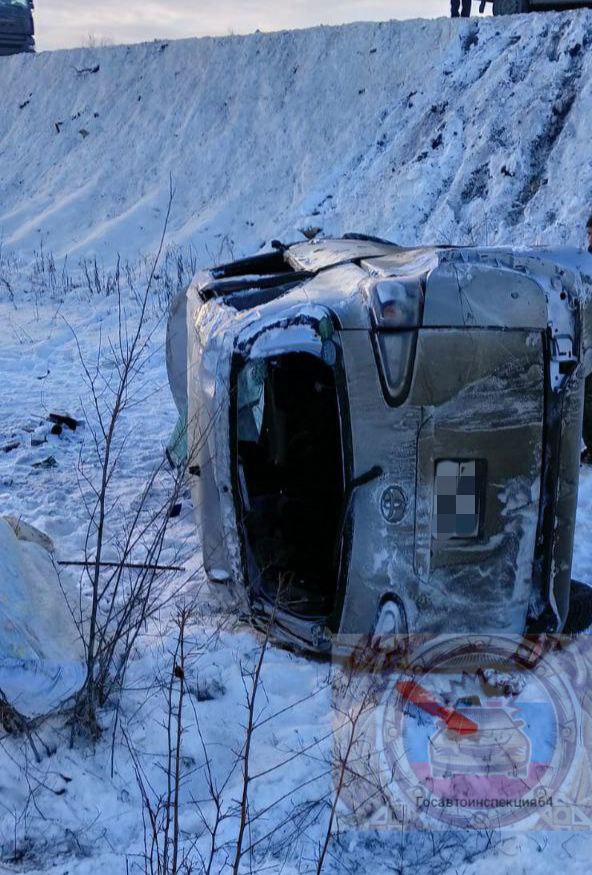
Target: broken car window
251 400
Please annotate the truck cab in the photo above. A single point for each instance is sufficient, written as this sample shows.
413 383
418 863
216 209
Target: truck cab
17 30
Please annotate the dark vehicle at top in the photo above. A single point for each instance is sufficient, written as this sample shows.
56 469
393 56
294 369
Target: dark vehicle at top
516 7
16 27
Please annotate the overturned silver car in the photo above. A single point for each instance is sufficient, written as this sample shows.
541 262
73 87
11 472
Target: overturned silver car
385 439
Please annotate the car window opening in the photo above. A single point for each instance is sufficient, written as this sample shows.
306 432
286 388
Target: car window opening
291 478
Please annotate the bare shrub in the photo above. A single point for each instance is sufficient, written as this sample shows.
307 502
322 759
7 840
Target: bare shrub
163 851
123 596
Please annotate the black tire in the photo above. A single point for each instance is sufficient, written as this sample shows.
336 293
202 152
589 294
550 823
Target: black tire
579 618
510 7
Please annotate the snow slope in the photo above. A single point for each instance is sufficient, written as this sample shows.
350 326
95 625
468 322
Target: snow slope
420 131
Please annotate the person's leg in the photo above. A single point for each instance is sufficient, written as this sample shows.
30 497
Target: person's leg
587 427
466 8
454 8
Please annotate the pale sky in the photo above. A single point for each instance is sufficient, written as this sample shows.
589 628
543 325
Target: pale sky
66 23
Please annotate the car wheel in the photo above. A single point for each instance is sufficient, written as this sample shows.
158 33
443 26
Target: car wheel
391 621
510 7
579 618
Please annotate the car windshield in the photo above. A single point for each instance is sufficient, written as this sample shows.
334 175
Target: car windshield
24 3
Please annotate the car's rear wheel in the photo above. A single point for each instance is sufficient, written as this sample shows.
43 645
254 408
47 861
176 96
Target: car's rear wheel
579 618
391 621
510 7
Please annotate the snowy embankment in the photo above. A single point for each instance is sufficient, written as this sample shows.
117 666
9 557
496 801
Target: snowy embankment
439 131
419 131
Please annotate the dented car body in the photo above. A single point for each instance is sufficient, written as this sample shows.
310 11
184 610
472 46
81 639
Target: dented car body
385 439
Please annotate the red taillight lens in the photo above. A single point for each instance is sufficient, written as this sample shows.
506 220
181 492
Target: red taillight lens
396 304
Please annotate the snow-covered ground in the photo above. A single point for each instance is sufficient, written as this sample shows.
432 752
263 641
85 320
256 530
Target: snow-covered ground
419 131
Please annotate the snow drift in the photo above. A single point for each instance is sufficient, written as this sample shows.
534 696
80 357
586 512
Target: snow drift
439 131
41 655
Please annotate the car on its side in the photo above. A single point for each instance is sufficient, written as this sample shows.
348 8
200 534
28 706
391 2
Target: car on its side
17 30
386 440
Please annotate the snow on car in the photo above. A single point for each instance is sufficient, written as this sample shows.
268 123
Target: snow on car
386 439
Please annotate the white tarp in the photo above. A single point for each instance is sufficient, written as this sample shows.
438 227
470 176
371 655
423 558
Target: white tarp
41 654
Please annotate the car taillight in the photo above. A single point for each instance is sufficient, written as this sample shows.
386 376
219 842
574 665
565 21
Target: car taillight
396 309
396 304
